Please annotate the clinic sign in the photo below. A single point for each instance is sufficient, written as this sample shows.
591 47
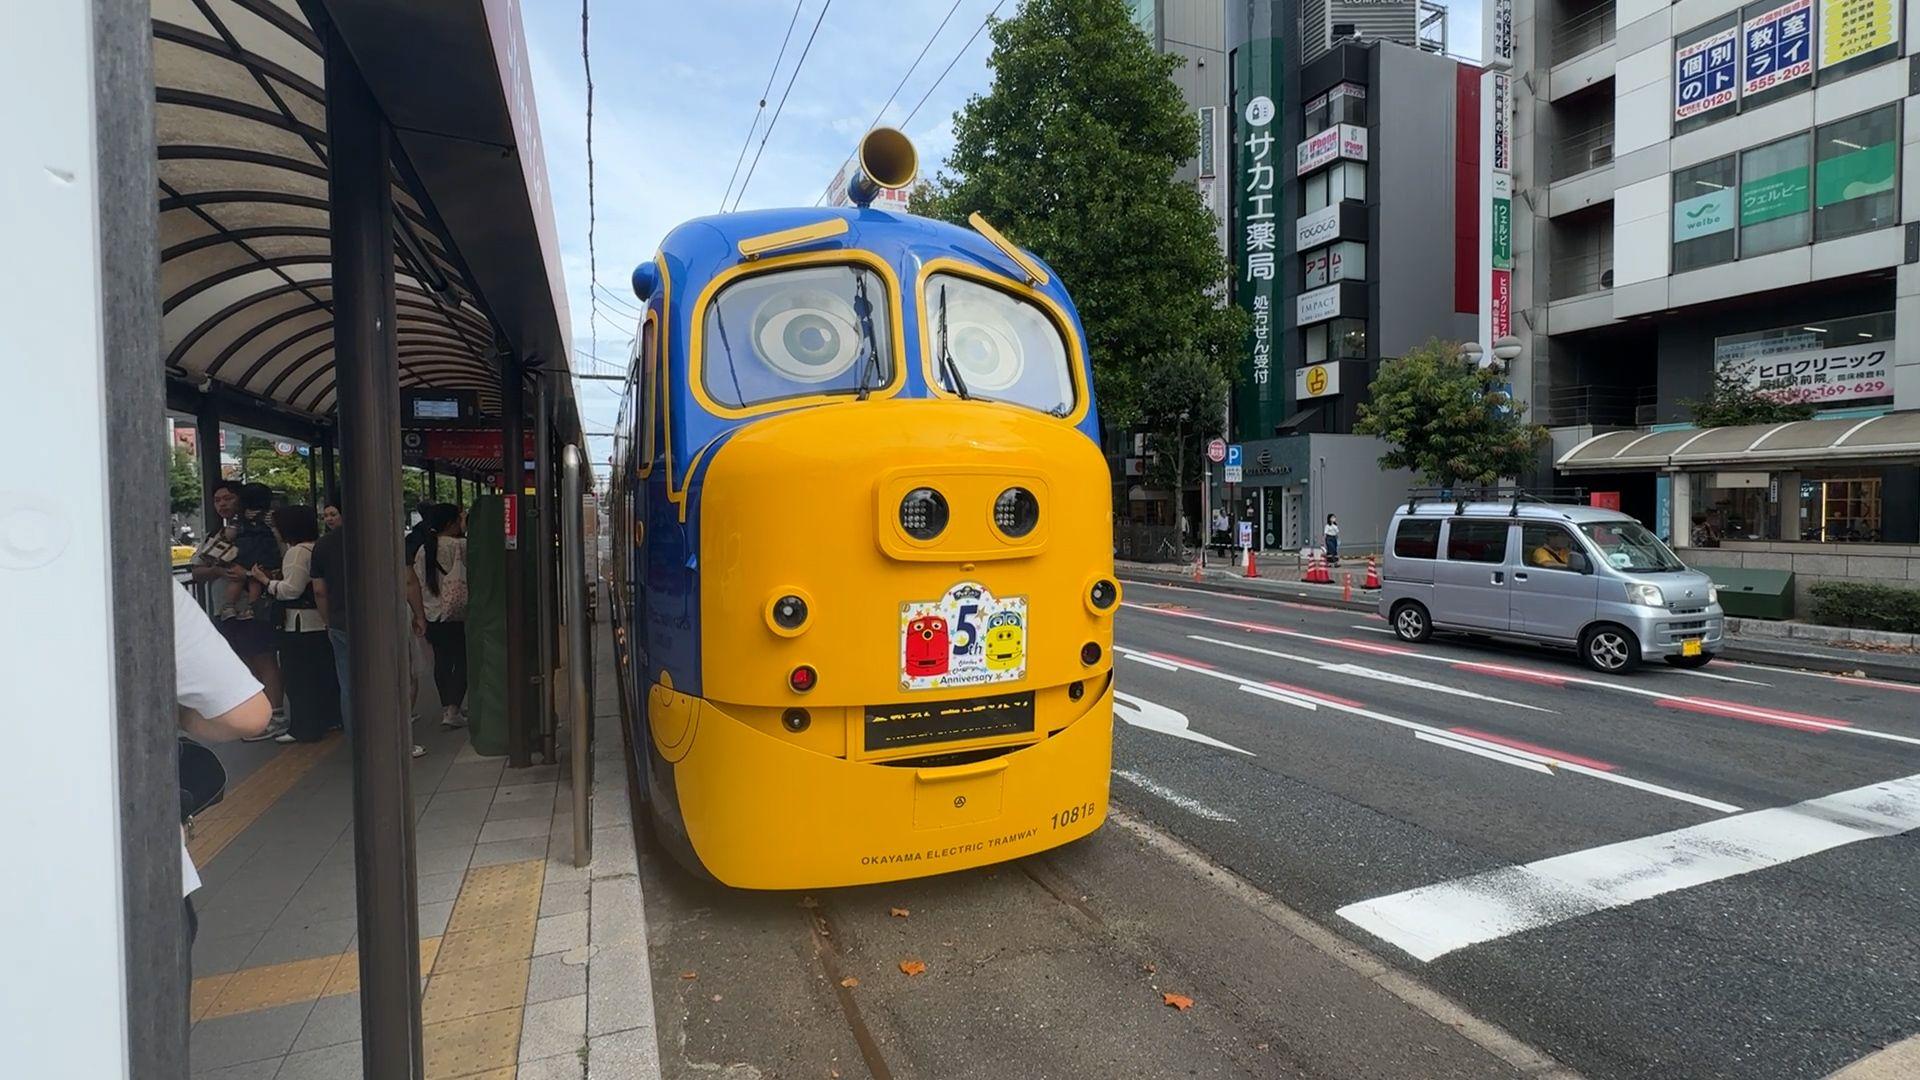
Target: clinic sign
1852 373
1703 74
1340 141
1258 213
1777 46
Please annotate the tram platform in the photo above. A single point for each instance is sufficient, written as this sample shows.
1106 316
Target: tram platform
531 967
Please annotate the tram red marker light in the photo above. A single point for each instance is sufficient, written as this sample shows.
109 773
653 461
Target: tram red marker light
803 678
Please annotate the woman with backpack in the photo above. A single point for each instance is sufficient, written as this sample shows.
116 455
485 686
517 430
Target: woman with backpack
441 566
306 658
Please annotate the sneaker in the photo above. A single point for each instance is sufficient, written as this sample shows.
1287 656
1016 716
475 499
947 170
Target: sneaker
419 751
285 737
450 718
273 731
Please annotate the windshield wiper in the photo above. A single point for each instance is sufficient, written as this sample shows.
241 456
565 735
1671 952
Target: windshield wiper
870 362
947 366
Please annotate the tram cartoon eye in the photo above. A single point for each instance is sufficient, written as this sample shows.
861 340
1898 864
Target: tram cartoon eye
794 333
807 335
1003 347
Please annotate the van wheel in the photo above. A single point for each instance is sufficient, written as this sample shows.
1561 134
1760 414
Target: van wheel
1411 622
1610 649
1690 661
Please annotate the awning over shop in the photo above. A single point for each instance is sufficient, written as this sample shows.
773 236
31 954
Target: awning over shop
1893 435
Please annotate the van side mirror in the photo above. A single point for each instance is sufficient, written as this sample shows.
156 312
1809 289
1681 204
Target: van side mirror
1577 562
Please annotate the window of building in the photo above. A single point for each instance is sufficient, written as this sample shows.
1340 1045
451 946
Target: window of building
1343 261
1477 541
1318 112
1774 197
1733 506
1336 339
1703 215
1347 104
1706 74
1417 539
1836 363
1841 507
1856 170
1767 51
1317 343
1340 181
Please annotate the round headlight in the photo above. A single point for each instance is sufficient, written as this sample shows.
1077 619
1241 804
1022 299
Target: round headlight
790 612
923 513
1103 594
1016 511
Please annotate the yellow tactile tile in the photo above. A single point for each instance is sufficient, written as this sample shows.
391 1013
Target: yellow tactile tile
243 805
452 995
472 1044
346 978
252 989
495 1074
490 895
468 949
205 990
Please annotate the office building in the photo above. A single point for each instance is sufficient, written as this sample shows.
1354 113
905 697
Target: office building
1713 189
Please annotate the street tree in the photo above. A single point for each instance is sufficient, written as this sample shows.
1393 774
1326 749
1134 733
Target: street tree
1731 402
1182 402
1448 419
183 482
1072 152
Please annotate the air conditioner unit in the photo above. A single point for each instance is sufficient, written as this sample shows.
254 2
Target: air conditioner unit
1600 155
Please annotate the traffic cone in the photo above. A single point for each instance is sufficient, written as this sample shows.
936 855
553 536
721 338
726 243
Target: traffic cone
1196 570
1321 575
1373 574
1253 568
1346 585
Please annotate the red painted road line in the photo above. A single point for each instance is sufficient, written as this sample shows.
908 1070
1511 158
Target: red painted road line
1557 755
1172 659
1368 646
1517 674
1880 684
1796 721
1317 695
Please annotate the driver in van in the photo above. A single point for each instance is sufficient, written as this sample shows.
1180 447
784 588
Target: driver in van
1552 554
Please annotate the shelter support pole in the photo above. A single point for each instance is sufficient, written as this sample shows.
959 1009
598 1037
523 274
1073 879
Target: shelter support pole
206 442
368 371
459 491
329 470
513 482
544 553
433 482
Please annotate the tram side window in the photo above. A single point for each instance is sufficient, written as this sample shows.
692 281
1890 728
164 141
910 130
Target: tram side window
1417 540
1477 541
649 393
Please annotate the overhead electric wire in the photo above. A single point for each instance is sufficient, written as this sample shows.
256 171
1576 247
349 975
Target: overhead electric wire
777 109
952 62
755 125
915 66
586 65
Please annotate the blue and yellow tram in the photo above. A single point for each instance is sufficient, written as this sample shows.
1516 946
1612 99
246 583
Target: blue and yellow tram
866 593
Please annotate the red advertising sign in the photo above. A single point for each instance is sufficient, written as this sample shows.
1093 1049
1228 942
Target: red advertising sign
478 443
1502 303
1605 500
511 503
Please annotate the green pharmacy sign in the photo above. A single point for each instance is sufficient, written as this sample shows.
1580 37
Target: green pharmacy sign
1260 212
1503 234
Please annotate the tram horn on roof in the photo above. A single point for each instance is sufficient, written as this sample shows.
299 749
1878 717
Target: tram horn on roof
887 161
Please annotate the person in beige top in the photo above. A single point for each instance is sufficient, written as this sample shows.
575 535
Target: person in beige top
441 566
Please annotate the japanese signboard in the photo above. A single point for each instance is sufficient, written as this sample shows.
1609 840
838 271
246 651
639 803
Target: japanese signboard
1850 28
1502 123
1502 233
1502 303
1332 263
1764 198
1340 141
1316 228
1317 306
1847 373
1258 210
1496 34
1855 174
1778 46
1703 74
1317 380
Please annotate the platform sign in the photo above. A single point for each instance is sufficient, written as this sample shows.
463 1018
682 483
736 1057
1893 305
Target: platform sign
1217 451
511 518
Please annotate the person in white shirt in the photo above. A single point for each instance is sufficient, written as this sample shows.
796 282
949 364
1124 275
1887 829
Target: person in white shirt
1331 535
306 658
219 701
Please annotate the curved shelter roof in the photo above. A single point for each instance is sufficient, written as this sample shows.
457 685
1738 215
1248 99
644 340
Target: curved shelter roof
1890 436
246 275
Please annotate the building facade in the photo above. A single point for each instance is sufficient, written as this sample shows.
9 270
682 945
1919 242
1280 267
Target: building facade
1353 239
1714 190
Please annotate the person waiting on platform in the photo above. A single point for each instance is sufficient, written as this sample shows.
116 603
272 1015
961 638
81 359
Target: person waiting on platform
306 658
1551 553
441 566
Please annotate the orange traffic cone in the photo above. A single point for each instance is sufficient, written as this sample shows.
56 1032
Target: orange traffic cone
1196 570
1346 585
1253 568
1373 574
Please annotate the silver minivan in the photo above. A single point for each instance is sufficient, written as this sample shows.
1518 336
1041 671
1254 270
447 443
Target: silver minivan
1592 579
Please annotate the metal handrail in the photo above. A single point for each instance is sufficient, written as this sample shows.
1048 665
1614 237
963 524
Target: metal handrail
1578 275
573 582
1583 33
1581 151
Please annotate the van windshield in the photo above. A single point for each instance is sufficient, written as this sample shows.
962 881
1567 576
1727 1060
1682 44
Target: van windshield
1627 545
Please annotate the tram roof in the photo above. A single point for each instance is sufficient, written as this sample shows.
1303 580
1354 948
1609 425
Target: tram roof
246 276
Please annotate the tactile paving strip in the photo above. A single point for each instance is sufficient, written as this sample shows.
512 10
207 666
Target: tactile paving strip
482 965
456 994
468 949
215 828
346 978
253 989
491 895
472 1044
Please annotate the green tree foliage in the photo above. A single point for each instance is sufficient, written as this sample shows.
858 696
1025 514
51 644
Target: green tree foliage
1072 153
1731 402
1448 420
183 482
261 462
1182 401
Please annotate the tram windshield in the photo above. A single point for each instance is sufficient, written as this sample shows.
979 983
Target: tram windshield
797 333
998 347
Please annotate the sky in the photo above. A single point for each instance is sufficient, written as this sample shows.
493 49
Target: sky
676 86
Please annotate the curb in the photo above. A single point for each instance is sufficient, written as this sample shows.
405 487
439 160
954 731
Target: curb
1864 665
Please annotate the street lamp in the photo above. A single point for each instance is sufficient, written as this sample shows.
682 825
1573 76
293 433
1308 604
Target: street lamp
1471 352
1505 349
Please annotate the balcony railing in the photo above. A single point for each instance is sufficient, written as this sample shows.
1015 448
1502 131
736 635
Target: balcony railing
1582 33
1578 275
1580 151
1613 406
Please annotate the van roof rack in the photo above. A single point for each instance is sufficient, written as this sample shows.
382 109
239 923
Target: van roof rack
1513 496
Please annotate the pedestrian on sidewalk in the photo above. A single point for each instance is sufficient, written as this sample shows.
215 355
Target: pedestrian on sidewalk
330 595
441 566
306 657
1330 536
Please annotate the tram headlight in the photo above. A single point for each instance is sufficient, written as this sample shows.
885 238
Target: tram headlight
1016 512
1102 595
923 513
788 613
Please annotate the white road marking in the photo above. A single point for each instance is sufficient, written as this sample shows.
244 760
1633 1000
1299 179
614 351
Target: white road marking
1151 662
1434 920
1698 674
1190 805
1154 716
1857 680
1260 689
1615 685
1421 684
1478 749
1374 630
